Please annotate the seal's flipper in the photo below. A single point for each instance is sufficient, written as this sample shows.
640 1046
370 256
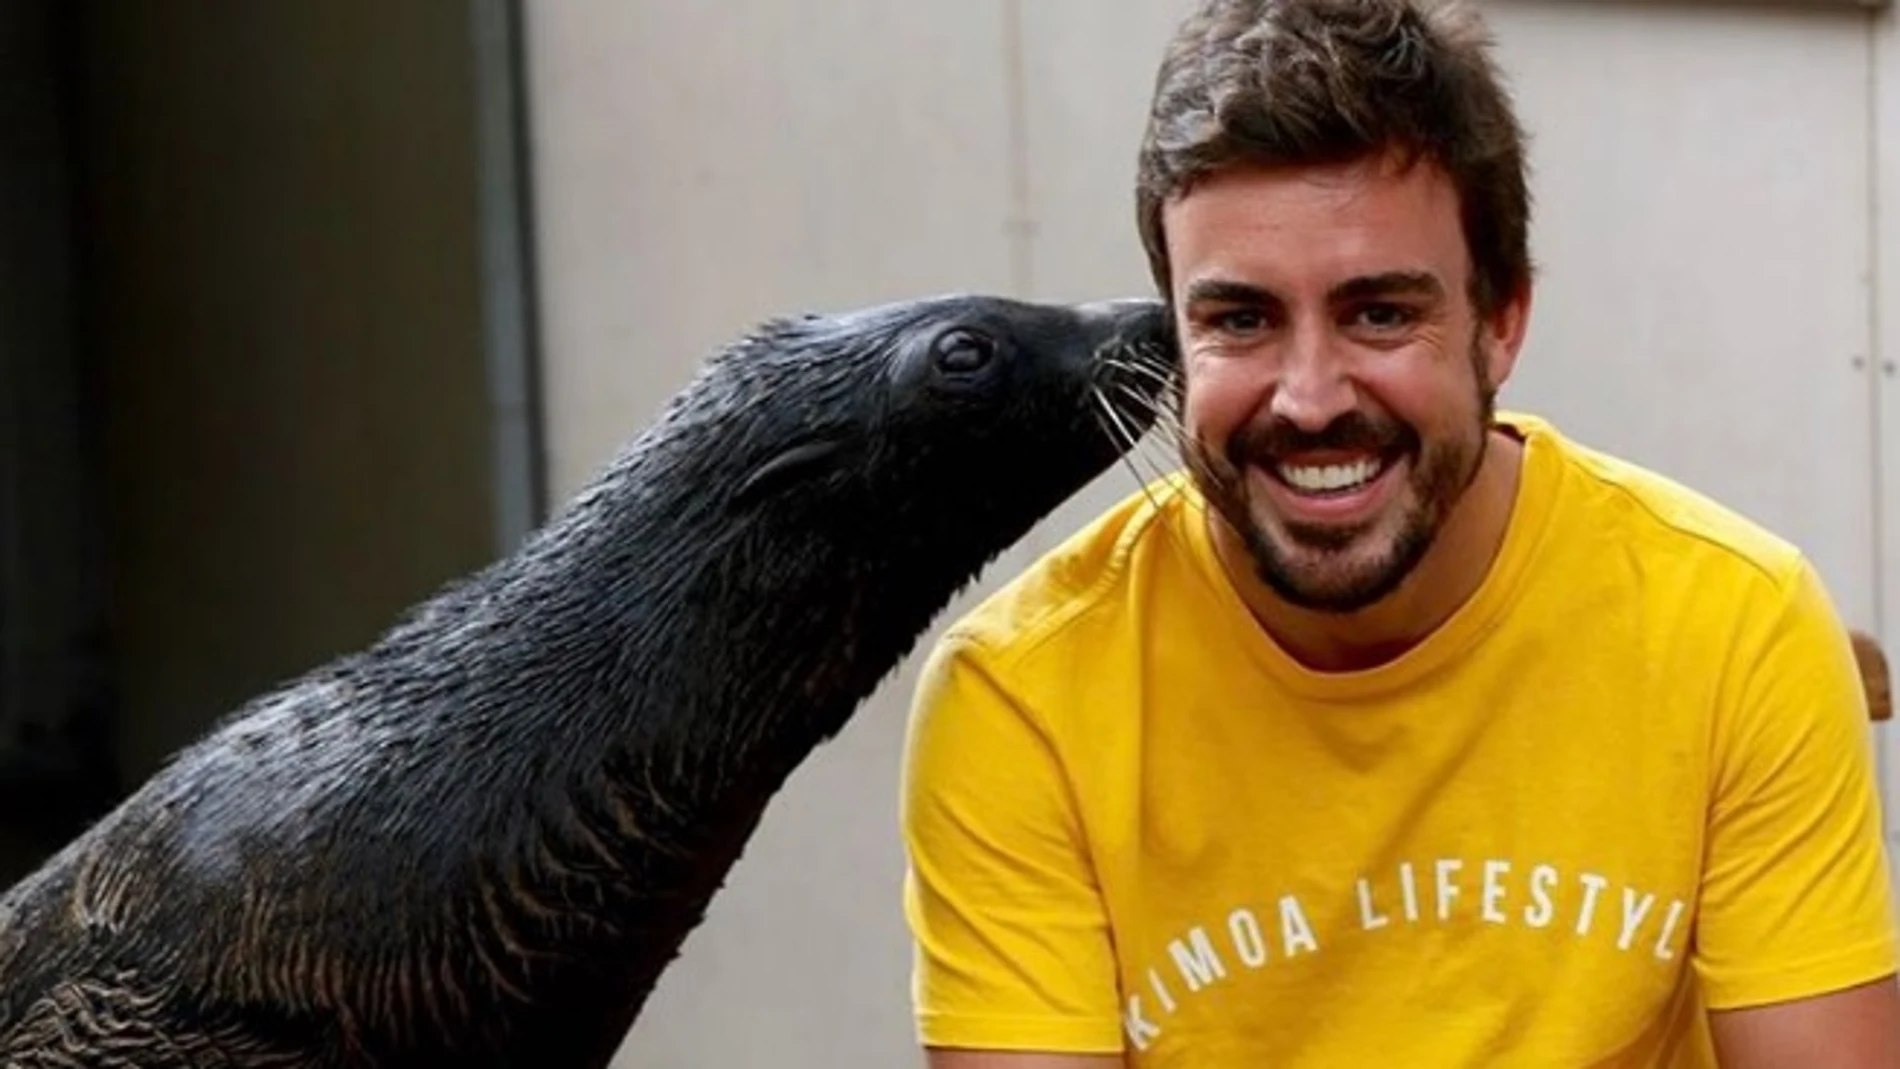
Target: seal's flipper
97 1021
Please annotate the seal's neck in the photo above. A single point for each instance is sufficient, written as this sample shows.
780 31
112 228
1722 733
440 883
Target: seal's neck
640 679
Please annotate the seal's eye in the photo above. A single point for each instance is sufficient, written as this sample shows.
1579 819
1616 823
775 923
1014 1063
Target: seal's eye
960 352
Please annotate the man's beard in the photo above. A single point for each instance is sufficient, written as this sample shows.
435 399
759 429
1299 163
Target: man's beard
1438 476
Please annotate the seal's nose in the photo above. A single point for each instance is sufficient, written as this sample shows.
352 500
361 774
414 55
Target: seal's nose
1135 323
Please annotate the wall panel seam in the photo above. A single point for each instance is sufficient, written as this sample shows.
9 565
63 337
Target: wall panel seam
1021 225
510 330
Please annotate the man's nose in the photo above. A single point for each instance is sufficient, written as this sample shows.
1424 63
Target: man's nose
1312 388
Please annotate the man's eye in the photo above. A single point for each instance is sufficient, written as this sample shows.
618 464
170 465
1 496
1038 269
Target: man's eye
1239 321
1385 316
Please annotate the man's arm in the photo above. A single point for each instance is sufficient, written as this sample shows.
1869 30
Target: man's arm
1796 943
1012 951
1858 1028
939 1058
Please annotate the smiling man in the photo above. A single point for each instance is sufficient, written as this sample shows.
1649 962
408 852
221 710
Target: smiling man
1396 730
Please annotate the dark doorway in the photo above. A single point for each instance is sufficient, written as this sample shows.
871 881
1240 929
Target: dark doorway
268 378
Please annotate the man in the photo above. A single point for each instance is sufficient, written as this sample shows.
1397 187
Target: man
1400 732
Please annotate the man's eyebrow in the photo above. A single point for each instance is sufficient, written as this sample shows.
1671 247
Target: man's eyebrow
1385 284
1389 284
1226 291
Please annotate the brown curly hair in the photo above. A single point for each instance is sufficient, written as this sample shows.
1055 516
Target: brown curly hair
1302 82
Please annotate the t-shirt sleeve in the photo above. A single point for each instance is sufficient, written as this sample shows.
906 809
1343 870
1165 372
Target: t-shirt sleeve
1796 898
1010 936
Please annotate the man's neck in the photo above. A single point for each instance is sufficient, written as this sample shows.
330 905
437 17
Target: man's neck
1449 574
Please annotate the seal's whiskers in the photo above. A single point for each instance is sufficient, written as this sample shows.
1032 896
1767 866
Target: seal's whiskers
1163 418
1115 425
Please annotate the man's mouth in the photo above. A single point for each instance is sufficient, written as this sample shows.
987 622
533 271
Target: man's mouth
1334 476
1331 478
1338 477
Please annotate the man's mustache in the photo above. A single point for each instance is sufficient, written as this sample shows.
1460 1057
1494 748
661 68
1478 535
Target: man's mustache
1275 439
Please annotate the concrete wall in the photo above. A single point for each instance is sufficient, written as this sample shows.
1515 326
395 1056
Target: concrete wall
1716 281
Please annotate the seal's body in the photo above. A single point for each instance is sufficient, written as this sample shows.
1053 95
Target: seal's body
481 840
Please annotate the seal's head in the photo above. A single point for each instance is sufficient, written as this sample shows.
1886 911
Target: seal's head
969 417
888 453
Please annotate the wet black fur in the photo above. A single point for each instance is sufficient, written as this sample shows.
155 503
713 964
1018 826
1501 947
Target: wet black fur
481 840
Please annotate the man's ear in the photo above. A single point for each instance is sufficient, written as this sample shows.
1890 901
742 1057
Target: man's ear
1504 332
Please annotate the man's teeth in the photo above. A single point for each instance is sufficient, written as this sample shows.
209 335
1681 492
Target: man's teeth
1330 477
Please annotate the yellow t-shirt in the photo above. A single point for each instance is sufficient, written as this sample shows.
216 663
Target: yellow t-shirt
1628 781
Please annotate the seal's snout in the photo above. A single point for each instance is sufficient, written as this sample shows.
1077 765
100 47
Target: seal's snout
1131 363
1130 323
1131 341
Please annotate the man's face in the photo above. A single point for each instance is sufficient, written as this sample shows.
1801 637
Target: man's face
1338 378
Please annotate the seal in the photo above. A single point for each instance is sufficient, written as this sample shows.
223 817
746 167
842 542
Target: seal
481 839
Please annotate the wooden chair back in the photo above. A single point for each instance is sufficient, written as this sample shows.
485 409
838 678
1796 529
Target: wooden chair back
1874 675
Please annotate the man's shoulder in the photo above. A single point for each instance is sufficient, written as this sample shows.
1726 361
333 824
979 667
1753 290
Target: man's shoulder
1652 514
1082 578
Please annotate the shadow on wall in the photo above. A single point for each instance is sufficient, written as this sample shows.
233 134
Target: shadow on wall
245 415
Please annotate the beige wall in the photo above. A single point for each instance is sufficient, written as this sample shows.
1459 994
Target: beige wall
1884 367
1703 174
